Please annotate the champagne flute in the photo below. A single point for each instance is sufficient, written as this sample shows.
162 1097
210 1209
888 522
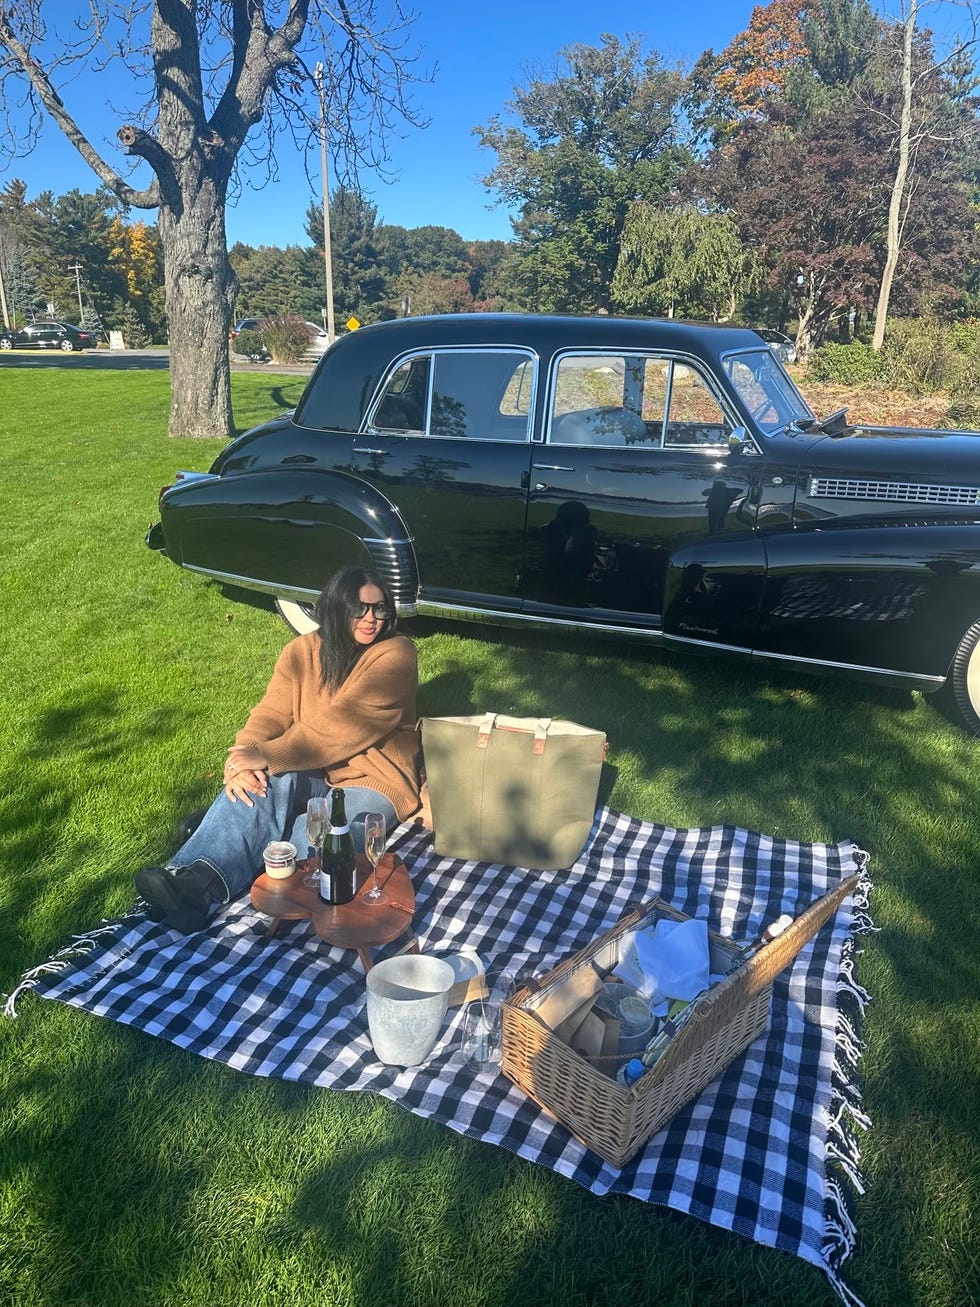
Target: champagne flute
375 839
317 815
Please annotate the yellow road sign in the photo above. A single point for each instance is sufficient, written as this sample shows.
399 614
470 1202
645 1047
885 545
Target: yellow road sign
352 323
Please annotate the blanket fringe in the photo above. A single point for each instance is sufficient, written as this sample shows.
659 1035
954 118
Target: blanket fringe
843 1178
64 958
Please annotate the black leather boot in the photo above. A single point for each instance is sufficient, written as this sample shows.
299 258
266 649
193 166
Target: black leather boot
181 897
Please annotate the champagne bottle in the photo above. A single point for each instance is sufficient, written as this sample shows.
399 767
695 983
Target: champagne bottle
338 876
774 929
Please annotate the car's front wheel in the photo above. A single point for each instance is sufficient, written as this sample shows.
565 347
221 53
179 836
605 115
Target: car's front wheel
67 346
963 683
297 616
6 343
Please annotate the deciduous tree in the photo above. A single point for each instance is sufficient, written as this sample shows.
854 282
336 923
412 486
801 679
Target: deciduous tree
206 73
928 120
682 260
601 130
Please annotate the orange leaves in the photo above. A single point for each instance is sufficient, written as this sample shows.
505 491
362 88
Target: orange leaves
756 63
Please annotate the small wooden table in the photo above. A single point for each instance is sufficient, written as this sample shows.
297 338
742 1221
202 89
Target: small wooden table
357 925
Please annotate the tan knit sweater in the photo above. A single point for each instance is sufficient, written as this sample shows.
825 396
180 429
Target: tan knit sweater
364 734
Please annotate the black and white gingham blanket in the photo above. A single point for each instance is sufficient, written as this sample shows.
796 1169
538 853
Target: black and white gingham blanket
768 1150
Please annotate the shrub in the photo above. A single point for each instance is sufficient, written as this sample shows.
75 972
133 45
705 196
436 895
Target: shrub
847 365
286 337
250 344
923 355
963 413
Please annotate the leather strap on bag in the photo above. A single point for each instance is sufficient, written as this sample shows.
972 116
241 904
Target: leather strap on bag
484 729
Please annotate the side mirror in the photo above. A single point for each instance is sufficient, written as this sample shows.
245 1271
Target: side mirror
738 441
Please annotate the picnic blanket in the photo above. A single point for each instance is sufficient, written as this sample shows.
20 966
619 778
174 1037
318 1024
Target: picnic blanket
769 1150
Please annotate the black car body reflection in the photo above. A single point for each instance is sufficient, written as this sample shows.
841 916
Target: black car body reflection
664 481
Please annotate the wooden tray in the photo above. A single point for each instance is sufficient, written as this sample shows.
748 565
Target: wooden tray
357 925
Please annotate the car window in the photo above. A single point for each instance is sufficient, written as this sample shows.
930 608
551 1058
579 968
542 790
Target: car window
694 416
403 404
769 396
459 394
622 400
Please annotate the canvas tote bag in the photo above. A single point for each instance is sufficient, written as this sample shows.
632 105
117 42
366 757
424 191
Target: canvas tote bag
514 790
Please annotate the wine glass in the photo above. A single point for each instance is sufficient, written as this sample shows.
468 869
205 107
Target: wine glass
375 839
316 830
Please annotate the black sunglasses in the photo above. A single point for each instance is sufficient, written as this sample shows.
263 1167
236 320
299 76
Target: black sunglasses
380 610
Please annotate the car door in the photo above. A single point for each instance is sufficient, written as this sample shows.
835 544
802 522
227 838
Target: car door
447 440
635 479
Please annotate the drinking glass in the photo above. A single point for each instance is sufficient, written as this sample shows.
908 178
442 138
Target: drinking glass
317 817
375 839
479 1041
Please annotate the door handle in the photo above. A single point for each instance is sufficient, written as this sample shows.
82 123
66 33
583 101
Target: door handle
359 450
552 467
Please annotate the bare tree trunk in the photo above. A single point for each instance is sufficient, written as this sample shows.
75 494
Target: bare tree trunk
894 235
200 290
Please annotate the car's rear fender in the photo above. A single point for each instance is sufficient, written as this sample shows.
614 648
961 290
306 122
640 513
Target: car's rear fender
285 530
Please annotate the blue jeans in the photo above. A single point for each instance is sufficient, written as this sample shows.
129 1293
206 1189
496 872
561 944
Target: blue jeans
232 836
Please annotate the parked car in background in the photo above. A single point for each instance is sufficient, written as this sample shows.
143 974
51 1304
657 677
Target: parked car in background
781 345
318 334
48 335
657 481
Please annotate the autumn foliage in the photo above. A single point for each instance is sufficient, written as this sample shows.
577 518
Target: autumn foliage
754 67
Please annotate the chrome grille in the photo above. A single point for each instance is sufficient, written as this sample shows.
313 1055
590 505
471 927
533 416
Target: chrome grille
394 560
906 492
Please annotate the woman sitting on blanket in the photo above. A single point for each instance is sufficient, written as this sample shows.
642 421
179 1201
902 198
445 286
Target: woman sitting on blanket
339 710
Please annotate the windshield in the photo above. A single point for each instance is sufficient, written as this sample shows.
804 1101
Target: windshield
767 393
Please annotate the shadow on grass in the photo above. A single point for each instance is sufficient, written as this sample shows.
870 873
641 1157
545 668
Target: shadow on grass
42 791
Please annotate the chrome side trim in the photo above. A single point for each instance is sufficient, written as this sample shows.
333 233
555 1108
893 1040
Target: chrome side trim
707 644
823 664
280 589
534 621
537 621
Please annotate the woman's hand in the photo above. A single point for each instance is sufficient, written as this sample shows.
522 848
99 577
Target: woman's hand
243 783
245 774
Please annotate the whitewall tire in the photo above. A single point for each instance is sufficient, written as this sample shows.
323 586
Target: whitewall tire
297 616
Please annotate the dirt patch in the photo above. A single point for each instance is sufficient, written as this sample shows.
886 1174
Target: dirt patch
872 406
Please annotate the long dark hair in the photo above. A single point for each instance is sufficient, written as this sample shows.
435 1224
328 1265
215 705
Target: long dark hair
337 608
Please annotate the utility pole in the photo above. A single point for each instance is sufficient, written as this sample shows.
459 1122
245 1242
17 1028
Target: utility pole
3 299
325 186
76 268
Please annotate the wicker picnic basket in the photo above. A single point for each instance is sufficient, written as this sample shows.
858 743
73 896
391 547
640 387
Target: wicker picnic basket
615 1121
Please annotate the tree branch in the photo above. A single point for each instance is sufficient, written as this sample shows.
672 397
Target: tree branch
148 198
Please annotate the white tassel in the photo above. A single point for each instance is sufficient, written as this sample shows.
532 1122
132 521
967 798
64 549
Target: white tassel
841 1236
28 981
61 960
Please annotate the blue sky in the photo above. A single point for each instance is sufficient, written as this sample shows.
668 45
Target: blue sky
479 59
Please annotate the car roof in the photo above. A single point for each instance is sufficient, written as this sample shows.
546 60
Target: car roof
545 330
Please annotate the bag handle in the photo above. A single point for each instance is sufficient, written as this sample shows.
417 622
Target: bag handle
484 729
541 728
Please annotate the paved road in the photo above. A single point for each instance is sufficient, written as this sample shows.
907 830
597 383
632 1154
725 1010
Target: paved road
127 359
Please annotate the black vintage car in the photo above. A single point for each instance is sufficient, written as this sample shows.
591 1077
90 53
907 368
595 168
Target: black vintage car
661 481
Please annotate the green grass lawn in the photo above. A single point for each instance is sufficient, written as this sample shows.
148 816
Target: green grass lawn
136 1175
